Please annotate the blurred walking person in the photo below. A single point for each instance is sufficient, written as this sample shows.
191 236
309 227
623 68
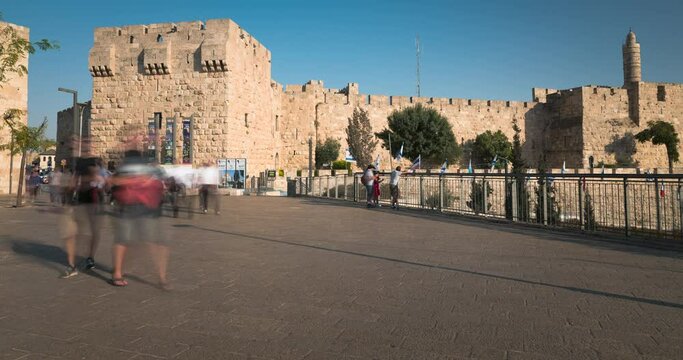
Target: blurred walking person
33 184
368 179
138 189
208 188
85 198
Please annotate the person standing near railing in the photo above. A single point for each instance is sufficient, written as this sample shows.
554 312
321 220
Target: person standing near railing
393 187
368 179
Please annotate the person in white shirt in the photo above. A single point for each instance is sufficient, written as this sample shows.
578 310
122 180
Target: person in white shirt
208 187
368 179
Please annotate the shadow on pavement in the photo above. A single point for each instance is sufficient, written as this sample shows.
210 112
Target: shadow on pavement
54 257
462 271
606 241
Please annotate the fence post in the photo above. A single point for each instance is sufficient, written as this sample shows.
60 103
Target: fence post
657 204
514 200
308 186
346 190
327 187
680 208
581 203
440 192
484 196
422 204
545 199
336 187
626 227
355 189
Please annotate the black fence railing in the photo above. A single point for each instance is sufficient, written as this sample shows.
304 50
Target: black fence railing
642 204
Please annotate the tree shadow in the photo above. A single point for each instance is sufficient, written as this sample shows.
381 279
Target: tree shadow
623 148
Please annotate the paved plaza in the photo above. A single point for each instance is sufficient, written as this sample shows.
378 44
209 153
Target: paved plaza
303 278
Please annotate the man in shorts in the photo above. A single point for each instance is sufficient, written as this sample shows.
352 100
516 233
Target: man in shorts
138 190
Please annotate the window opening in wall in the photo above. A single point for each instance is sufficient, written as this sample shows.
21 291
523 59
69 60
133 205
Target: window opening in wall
132 38
246 120
119 32
277 122
469 102
160 38
661 93
187 141
188 36
188 58
146 30
202 27
296 134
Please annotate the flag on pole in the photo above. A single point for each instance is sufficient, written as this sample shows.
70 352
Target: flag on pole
349 157
564 168
399 156
493 163
469 167
603 169
377 162
444 166
661 191
416 163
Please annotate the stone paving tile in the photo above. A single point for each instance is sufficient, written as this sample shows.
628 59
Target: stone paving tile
301 278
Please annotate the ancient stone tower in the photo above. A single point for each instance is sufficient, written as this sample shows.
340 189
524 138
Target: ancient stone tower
631 53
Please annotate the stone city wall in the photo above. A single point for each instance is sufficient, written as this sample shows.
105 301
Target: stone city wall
305 106
13 95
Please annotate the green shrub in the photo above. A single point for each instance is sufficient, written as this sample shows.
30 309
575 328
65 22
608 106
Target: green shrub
431 198
341 165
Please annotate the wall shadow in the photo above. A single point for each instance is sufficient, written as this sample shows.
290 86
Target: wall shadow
575 289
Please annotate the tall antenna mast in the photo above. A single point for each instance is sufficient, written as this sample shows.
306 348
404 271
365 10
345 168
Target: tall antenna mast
417 55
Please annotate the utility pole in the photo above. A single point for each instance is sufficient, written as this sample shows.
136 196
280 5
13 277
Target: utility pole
417 55
391 155
310 161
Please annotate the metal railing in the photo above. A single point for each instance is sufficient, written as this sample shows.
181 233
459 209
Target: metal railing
647 205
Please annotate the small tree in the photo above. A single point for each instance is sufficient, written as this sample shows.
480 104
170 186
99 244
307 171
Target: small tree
516 160
519 168
488 145
423 132
478 202
14 48
327 152
662 133
25 139
359 136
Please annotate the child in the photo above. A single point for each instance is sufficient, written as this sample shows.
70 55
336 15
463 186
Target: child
376 192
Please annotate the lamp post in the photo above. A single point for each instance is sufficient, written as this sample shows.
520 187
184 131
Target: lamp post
75 121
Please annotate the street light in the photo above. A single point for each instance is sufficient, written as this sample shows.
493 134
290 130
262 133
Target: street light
75 120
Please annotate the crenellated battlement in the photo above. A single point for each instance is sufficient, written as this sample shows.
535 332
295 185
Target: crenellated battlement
166 48
350 95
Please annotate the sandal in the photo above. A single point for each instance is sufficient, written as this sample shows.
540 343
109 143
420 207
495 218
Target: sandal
118 282
165 285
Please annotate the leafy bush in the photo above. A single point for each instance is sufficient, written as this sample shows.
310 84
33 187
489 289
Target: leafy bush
476 202
431 198
341 165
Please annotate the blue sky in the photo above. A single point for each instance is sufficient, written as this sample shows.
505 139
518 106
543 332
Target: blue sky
496 49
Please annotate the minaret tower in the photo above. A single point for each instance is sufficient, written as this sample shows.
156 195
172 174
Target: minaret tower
631 53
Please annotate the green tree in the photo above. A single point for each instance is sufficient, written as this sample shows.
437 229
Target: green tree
518 163
488 145
423 132
14 48
359 136
327 152
25 139
662 133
